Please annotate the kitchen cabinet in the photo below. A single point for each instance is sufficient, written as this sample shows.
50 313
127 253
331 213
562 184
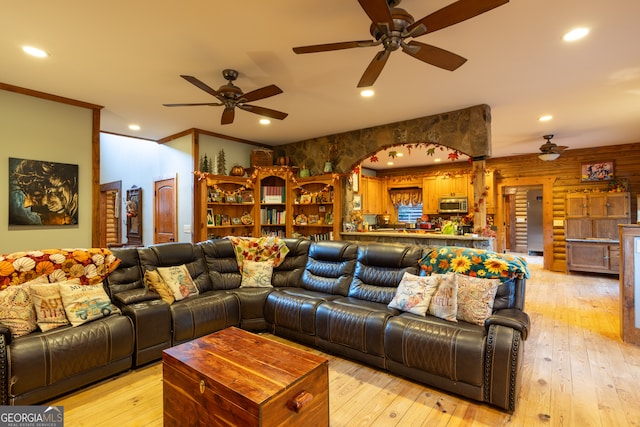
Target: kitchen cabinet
374 195
591 230
453 185
430 195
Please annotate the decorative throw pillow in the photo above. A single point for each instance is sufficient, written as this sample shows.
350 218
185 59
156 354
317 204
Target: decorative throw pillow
48 305
444 302
179 280
475 298
84 303
257 274
155 283
414 293
16 310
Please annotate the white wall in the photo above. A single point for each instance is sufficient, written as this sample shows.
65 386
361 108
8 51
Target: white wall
139 162
38 129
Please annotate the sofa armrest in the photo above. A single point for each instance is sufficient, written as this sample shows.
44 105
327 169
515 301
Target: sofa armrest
4 366
134 296
6 333
512 318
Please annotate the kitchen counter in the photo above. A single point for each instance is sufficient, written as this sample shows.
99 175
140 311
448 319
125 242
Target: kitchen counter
428 239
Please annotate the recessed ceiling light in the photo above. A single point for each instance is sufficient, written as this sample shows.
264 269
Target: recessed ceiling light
575 34
436 160
389 163
367 93
134 127
399 154
265 121
545 118
34 51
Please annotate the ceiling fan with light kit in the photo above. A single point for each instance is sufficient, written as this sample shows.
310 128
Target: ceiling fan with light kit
391 26
231 96
550 150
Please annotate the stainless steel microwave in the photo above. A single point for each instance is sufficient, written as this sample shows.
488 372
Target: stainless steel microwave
453 205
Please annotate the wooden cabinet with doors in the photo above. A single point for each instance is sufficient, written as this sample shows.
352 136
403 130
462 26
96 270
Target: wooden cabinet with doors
374 195
430 195
316 207
453 185
591 230
227 208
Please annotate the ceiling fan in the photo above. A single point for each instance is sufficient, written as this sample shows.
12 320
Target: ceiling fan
391 25
549 150
231 96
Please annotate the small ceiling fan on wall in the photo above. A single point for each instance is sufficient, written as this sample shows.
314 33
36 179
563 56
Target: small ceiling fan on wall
391 26
231 96
549 150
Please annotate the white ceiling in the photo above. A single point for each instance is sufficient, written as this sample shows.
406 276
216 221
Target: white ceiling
128 55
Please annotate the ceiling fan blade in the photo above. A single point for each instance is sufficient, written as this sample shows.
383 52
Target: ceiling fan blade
211 104
194 81
268 112
435 56
378 11
227 116
454 13
333 46
263 92
374 69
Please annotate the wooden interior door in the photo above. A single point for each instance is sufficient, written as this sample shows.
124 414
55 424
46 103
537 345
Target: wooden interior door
109 218
164 211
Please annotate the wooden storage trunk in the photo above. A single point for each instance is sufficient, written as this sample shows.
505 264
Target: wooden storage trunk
261 157
234 377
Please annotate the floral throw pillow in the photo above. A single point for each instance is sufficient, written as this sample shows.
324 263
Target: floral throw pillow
444 302
475 298
179 281
259 249
16 310
257 274
414 293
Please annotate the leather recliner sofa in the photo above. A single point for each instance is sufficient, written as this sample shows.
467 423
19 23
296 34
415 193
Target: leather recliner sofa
332 295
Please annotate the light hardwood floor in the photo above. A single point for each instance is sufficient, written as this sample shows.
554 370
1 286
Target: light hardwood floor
576 372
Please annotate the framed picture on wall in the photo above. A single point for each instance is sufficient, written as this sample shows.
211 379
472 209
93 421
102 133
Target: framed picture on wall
597 171
357 202
42 193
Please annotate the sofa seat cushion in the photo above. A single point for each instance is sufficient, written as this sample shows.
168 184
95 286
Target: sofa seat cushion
354 323
44 359
452 351
208 312
294 309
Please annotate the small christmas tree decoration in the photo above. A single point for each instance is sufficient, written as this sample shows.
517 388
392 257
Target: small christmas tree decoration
221 166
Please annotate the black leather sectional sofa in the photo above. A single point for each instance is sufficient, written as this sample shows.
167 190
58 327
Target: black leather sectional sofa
332 295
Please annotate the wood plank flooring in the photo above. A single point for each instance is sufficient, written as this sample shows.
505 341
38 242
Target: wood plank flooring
576 372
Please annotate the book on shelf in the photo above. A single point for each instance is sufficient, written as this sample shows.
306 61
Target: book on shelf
272 194
272 216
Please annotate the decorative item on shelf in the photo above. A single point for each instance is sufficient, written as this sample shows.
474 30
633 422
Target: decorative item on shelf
305 199
284 160
301 219
304 172
236 221
246 219
237 170
221 168
618 185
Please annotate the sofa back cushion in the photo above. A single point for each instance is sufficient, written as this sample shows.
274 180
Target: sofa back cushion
128 275
379 269
222 264
175 254
289 272
330 267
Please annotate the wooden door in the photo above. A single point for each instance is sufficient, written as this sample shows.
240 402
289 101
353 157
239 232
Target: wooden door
164 211
110 214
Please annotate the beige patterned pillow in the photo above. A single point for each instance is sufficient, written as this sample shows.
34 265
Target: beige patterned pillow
257 274
16 310
155 283
84 303
444 302
414 293
179 281
47 303
475 298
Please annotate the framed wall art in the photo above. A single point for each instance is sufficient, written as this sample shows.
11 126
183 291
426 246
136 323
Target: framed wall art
42 193
597 171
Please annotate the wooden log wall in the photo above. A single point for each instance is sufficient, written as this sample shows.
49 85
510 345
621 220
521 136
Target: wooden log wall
566 175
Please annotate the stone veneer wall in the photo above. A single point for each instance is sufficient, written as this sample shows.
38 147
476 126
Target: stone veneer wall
467 130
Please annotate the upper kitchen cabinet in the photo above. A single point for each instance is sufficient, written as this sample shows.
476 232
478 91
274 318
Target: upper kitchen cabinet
598 205
453 185
430 195
374 195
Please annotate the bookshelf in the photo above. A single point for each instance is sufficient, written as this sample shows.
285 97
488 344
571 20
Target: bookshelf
316 207
273 192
